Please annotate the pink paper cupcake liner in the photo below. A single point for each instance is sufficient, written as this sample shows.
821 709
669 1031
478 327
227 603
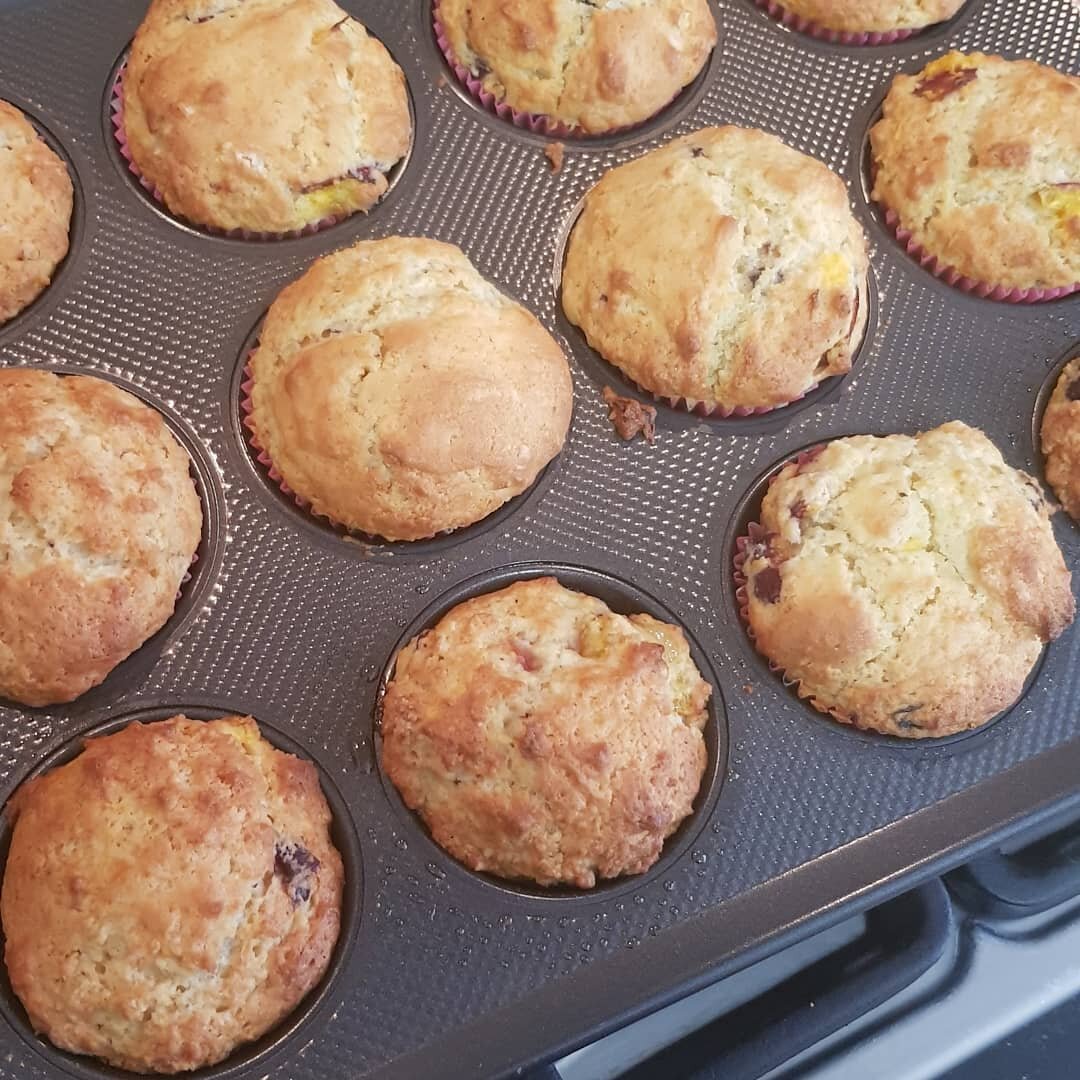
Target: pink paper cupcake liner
952 276
534 122
716 410
187 575
837 37
719 411
116 109
247 407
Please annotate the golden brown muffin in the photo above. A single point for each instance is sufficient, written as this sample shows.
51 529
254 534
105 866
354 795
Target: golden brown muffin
907 584
99 522
265 115
596 66
36 196
170 893
724 268
979 157
1061 438
402 394
873 16
542 736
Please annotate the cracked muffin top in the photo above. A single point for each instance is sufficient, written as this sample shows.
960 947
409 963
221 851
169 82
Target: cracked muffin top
908 584
1061 438
36 194
724 268
542 736
874 16
99 523
979 157
263 115
170 893
403 395
596 65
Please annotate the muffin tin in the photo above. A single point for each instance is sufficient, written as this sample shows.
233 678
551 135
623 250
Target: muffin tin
113 122
445 973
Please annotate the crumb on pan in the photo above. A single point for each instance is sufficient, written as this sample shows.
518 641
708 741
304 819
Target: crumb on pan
554 152
630 417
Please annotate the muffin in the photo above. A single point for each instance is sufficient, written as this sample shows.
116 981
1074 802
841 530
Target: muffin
590 67
1061 438
269 115
724 269
977 160
99 523
36 194
401 395
170 893
542 736
907 584
857 18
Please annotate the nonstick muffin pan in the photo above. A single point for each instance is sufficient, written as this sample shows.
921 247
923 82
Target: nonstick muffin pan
445 972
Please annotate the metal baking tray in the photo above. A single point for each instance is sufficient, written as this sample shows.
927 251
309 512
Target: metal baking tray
441 972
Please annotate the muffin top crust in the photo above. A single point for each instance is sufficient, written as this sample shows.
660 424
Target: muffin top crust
37 198
979 158
597 65
403 395
263 115
907 584
542 736
171 893
723 268
99 523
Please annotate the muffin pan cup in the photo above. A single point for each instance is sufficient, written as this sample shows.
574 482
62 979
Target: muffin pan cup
330 530
823 33
304 1021
788 18
623 598
548 127
746 531
681 412
60 282
147 188
890 222
297 623
197 588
